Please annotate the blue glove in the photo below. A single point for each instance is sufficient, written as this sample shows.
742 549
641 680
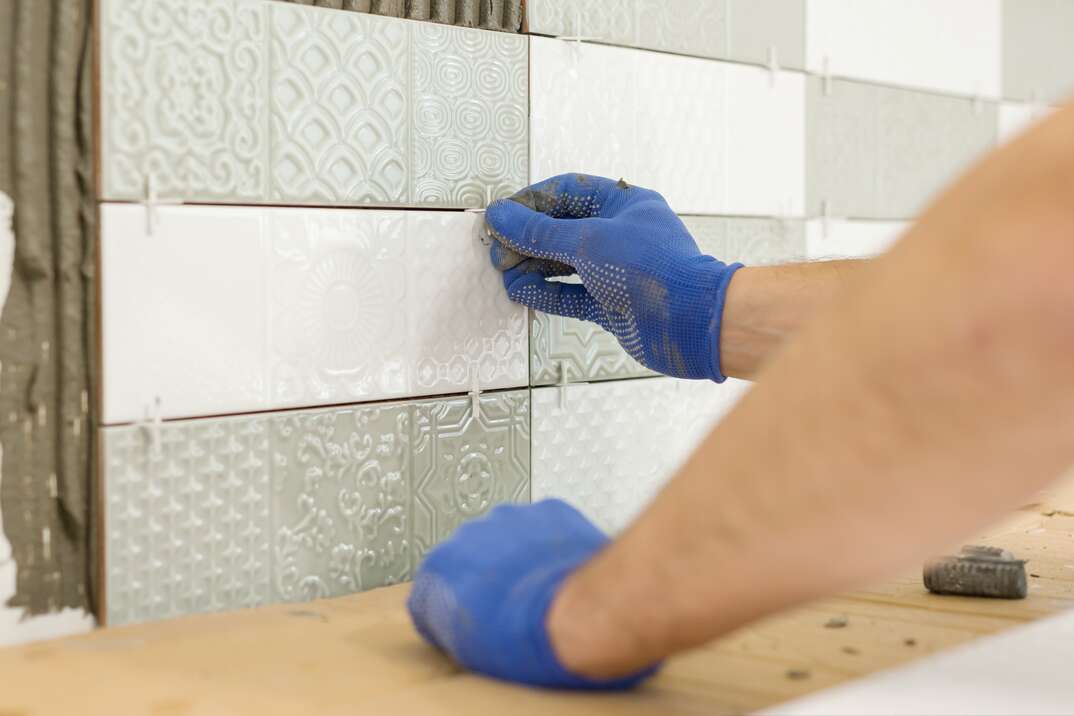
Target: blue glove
483 595
643 277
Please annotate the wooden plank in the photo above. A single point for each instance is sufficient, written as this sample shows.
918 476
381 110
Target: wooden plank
359 653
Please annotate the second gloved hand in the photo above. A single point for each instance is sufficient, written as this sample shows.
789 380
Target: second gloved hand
643 277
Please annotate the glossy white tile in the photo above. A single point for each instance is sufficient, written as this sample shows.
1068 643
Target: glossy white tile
234 309
712 137
607 448
841 239
951 46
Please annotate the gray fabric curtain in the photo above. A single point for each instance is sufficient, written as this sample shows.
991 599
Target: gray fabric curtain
47 325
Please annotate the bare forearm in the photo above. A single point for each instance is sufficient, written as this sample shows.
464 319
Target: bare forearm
929 397
765 305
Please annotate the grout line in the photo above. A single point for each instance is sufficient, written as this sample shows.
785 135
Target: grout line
400 400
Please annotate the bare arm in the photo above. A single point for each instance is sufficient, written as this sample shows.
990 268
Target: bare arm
930 396
765 305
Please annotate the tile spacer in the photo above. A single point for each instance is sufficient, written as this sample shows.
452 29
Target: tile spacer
577 37
151 427
475 391
826 76
561 384
488 200
152 202
773 65
826 219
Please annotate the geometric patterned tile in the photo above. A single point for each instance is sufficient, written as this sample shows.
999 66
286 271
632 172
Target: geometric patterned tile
957 44
340 107
245 101
237 512
470 115
882 153
608 448
585 352
741 30
1038 50
301 307
712 137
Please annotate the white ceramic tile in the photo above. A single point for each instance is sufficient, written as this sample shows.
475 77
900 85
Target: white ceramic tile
1025 670
944 45
841 239
233 309
1017 117
607 448
1038 50
712 137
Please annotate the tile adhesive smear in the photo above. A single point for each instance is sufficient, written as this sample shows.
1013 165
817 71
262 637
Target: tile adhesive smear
502 15
46 227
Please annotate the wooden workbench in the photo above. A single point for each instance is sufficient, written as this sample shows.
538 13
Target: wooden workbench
358 655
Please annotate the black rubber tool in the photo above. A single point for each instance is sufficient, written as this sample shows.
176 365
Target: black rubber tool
977 571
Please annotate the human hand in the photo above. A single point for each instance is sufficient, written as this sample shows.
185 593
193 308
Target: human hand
643 277
483 595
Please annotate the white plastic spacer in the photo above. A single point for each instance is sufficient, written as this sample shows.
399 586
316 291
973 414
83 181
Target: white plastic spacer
151 425
826 219
488 200
578 37
152 202
561 384
475 391
773 65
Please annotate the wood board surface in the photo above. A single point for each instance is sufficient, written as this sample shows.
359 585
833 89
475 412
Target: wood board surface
358 654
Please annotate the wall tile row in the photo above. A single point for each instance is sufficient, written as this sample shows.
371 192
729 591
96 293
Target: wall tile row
953 46
712 137
238 512
741 30
878 152
235 309
607 448
249 101
505 15
578 351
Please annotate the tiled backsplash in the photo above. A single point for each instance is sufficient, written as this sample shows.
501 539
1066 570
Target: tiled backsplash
236 309
222 513
250 101
270 335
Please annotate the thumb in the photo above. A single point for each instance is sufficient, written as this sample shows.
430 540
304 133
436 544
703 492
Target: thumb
534 234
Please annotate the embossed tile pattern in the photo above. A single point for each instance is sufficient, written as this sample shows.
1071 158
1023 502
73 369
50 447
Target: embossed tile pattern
249 101
579 351
237 512
712 137
607 448
878 152
956 44
742 30
1038 49
235 309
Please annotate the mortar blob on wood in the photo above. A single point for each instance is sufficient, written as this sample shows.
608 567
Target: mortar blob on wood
977 571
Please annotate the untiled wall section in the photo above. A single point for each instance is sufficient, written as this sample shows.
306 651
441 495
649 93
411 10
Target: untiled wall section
46 230
505 15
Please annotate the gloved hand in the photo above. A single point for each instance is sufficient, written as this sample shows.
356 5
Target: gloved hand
643 277
483 595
